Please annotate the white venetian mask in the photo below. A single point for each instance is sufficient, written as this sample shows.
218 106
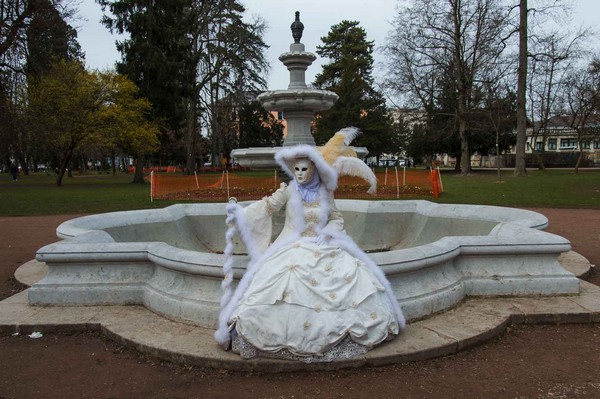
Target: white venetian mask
304 170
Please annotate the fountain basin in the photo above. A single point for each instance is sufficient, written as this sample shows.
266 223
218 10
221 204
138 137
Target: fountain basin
310 100
170 260
263 158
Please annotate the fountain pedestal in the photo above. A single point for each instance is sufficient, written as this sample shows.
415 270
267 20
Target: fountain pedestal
298 103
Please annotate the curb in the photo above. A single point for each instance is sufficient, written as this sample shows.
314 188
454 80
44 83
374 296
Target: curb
474 321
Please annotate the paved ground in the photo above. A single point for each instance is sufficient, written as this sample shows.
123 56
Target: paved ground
475 321
541 361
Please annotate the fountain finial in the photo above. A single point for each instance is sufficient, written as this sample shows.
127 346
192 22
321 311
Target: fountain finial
297 28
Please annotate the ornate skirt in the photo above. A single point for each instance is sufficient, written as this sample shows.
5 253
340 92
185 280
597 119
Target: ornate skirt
307 299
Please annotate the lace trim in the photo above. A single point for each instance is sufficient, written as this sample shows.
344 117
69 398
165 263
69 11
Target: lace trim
347 349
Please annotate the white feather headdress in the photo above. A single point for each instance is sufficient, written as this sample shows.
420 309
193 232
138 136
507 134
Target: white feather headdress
333 159
287 156
344 160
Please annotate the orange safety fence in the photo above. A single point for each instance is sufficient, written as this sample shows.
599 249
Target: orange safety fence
150 169
220 187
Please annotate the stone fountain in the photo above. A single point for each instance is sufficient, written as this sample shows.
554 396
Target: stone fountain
298 103
170 261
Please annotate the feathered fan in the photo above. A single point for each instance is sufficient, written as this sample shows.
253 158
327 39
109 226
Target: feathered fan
344 159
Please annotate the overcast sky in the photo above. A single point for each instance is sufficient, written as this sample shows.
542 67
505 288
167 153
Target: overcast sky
317 16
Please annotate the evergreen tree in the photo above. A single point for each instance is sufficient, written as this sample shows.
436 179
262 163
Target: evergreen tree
258 127
349 75
157 57
49 39
187 56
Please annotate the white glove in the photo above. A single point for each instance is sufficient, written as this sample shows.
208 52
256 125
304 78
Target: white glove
323 239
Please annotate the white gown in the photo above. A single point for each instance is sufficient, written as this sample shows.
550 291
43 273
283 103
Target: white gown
304 298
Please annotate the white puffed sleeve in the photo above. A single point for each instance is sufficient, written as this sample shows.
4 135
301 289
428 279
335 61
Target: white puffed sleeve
335 221
258 217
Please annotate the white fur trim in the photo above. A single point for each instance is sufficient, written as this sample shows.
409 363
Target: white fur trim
287 155
230 300
236 221
345 242
252 268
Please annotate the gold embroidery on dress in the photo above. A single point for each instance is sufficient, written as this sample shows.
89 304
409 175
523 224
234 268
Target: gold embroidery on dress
328 267
318 308
311 217
306 325
332 295
314 204
373 315
313 282
309 232
269 209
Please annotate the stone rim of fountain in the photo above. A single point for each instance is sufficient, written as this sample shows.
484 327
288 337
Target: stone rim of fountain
96 265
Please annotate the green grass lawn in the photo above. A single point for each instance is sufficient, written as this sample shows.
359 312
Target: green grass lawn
36 194
557 189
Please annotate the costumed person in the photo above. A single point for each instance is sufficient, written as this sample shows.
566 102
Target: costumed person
312 294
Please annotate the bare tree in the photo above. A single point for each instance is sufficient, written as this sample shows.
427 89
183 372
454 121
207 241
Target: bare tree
581 104
520 169
457 38
230 62
20 21
540 10
553 55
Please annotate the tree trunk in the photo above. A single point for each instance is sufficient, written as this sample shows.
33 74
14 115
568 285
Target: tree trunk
70 167
61 174
190 140
63 167
462 87
520 169
138 177
465 156
579 158
112 160
457 164
23 163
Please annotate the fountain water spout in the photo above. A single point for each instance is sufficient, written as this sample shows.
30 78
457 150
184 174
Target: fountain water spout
298 103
